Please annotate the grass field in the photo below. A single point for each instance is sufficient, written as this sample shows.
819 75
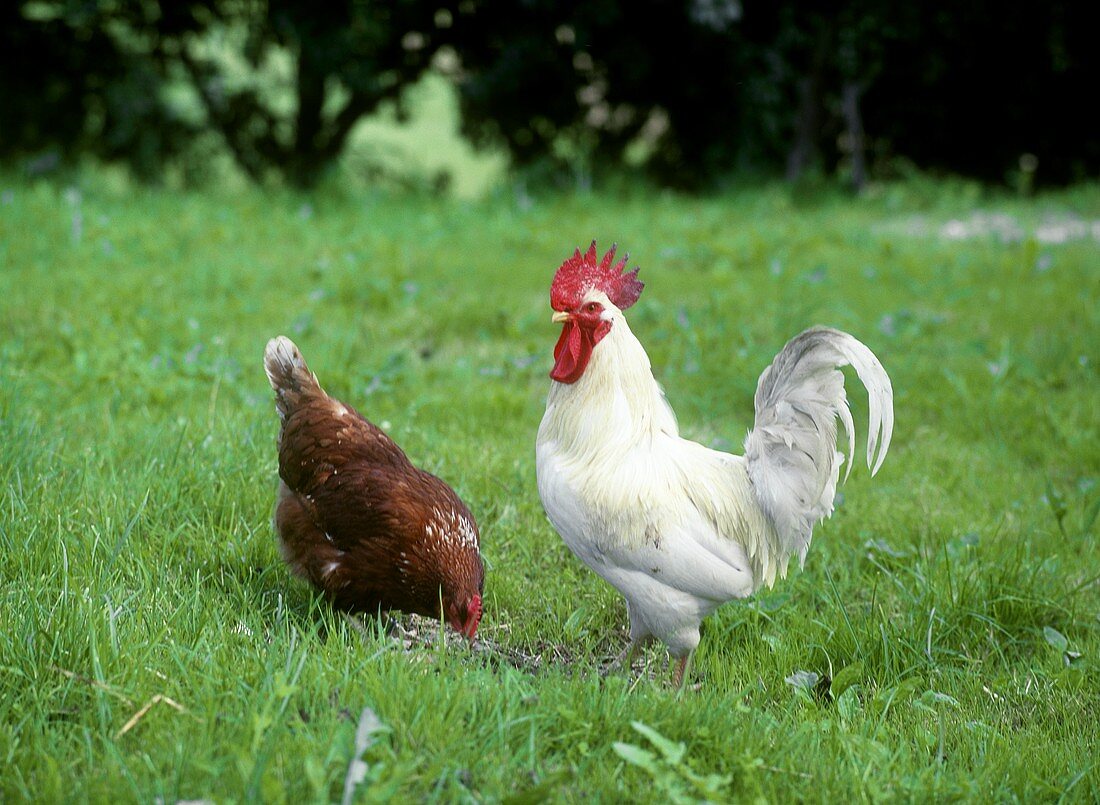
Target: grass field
947 621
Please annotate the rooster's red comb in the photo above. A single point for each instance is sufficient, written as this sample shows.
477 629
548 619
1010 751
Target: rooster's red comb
581 273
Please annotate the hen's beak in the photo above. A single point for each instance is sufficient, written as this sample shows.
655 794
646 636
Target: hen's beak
469 630
560 317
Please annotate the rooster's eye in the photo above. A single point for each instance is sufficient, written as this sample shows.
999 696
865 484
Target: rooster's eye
592 307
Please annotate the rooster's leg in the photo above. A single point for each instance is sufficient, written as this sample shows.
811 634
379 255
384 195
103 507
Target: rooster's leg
626 657
683 667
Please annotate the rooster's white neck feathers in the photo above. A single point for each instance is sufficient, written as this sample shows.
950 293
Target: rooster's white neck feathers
615 404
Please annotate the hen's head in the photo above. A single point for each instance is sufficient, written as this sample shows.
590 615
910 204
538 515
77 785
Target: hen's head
462 595
464 615
583 290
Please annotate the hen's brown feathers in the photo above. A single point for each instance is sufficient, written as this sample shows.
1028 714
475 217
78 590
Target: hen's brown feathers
355 517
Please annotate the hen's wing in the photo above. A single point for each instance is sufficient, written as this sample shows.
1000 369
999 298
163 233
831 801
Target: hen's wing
353 479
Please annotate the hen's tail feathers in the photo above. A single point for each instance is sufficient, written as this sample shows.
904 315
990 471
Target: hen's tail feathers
791 451
288 374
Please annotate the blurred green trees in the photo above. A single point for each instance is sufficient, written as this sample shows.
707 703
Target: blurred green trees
281 82
701 88
688 91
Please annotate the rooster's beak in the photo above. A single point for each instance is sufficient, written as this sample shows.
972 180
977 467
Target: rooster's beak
560 317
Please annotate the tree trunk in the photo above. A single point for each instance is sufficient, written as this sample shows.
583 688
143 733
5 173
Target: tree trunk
803 152
853 121
304 164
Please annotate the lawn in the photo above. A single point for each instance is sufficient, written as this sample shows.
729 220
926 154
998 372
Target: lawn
943 640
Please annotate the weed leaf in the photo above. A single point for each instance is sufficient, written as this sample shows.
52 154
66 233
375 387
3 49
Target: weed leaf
1055 638
634 755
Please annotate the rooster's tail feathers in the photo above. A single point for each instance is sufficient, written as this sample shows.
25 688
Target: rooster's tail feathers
791 451
288 374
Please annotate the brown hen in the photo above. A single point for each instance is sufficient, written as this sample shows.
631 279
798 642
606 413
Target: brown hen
356 519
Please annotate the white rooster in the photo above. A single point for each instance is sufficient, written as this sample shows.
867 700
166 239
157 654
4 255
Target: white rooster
677 528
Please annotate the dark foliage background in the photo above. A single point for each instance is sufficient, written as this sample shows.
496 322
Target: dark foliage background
686 91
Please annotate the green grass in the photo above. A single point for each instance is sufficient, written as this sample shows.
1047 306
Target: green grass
137 472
